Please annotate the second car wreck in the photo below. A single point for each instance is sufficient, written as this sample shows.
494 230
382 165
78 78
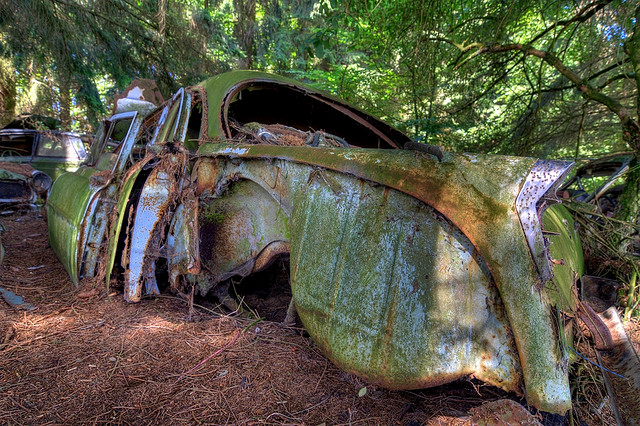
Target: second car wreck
21 184
407 268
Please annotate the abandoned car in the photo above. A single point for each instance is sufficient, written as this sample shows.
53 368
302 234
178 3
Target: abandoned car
52 152
409 267
21 184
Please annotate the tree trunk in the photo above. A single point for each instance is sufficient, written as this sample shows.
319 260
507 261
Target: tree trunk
65 103
245 30
7 93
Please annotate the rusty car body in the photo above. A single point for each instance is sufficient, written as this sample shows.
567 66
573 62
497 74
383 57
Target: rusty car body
21 184
407 268
50 151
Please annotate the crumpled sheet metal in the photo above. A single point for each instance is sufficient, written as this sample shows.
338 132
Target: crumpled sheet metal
236 228
144 239
477 195
386 286
183 255
65 238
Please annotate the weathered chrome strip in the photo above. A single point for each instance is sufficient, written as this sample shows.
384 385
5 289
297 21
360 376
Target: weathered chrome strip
543 179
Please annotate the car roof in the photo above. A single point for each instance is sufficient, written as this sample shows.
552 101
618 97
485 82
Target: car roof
31 131
220 87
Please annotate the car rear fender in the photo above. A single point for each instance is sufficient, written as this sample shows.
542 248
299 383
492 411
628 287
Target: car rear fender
477 194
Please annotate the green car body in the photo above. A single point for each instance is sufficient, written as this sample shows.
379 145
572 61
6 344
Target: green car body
49 151
408 269
21 184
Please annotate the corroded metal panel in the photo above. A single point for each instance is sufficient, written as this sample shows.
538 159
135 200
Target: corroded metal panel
158 196
236 228
544 176
390 289
118 214
477 194
96 227
65 217
387 286
183 248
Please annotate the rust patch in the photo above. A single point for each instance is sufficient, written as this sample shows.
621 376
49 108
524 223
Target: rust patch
270 253
21 169
206 172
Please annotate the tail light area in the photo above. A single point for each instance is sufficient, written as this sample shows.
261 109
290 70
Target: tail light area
539 192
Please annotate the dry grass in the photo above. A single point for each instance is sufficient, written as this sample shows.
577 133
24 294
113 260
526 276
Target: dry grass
83 356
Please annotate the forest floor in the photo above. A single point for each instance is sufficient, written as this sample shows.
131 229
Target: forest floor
84 355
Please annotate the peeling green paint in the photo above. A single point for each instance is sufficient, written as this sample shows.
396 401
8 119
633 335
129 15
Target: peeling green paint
476 193
408 271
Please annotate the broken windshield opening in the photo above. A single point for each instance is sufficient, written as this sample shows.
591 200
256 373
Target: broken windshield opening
194 125
293 110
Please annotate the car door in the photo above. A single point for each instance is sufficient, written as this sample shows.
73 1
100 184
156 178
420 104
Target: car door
85 204
150 211
78 202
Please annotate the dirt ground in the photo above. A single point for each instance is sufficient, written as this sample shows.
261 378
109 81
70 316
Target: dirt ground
85 356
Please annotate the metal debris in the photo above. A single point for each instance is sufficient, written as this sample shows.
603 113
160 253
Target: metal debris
15 301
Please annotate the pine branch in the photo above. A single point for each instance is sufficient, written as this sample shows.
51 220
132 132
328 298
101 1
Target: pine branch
583 15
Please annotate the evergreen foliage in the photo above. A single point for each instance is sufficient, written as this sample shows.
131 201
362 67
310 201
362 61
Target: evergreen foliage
466 75
550 79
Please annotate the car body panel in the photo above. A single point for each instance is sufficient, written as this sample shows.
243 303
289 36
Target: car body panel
225 89
21 184
73 196
51 152
407 268
477 195
84 221
376 275
142 248
117 217
75 230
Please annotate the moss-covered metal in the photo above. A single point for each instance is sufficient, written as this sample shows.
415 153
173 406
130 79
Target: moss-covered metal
222 89
67 207
476 194
406 270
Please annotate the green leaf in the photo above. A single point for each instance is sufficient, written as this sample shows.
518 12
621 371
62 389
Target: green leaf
362 392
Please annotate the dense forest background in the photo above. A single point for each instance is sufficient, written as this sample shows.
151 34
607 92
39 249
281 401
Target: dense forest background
552 79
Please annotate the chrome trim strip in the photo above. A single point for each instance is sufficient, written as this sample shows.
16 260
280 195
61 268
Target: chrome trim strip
543 180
